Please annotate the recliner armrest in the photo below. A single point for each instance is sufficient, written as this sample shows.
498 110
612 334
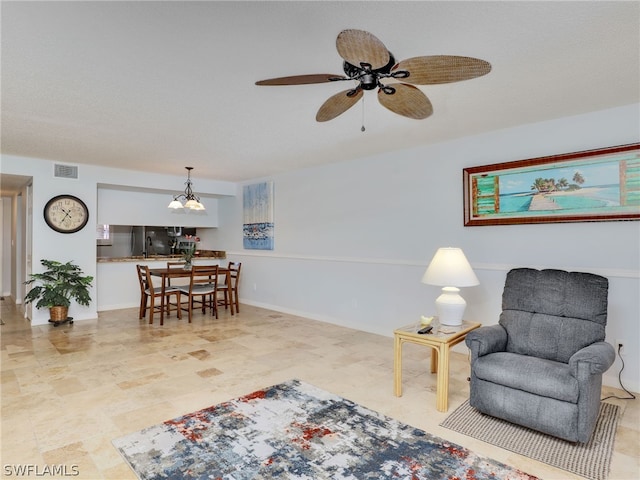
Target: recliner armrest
485 340
600 356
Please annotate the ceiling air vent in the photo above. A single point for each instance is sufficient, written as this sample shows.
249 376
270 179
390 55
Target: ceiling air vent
65 171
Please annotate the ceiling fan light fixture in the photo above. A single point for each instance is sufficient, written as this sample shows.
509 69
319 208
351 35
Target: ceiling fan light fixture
368 62
368 81
191 201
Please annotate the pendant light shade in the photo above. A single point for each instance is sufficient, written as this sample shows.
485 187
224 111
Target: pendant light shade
191 201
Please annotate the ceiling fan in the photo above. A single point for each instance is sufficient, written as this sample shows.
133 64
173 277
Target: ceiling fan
368 62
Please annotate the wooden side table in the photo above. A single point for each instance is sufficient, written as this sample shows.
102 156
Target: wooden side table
441 343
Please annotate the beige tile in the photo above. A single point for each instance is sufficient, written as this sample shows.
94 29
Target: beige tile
139 418
67 386
145 380
72 460
209 372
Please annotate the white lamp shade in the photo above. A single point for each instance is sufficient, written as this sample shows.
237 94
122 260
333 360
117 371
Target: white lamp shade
192 204
450 268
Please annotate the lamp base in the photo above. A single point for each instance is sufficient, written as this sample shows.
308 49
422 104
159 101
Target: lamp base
450 306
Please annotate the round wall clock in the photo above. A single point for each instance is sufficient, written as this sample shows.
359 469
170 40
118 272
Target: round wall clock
66 214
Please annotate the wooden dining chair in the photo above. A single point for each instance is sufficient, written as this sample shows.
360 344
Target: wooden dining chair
142 280
151 293
203 284
177 281
177 265
230 290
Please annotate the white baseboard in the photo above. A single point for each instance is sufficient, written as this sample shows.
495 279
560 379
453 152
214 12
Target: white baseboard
117 306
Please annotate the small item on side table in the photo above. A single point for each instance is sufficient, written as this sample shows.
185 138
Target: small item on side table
425 321
425 330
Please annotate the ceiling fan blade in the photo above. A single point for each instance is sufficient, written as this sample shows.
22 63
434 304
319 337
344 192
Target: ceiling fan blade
358 46
436 69
302 79
407 101
338 104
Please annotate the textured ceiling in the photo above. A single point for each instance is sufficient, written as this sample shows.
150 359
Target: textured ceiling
156 86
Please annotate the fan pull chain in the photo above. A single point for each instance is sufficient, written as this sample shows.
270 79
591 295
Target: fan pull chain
362 129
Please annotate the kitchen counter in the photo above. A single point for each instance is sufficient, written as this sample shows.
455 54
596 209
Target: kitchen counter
204 254
117 284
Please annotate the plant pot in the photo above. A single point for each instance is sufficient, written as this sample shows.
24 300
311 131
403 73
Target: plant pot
58 314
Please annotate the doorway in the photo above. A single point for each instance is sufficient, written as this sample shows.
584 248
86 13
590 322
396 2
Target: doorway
16 215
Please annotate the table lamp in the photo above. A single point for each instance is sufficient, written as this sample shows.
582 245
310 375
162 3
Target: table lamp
450 269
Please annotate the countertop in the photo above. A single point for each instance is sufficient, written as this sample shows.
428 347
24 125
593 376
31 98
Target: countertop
204 254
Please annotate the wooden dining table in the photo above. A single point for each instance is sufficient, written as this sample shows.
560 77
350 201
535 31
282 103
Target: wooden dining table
167 273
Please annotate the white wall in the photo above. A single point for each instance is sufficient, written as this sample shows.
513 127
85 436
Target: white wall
5 246
114 207
353 239
80 247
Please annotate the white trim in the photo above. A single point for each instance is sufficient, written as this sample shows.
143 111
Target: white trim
321 258
605 272
386 332
119 306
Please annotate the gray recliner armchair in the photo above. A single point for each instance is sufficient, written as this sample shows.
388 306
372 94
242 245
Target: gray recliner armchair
542 365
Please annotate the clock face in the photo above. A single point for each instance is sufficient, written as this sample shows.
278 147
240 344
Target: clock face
66 214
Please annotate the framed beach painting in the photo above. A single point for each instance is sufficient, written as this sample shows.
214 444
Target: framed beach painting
257 229
594 185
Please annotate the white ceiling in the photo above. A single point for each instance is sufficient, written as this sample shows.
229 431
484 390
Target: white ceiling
156 86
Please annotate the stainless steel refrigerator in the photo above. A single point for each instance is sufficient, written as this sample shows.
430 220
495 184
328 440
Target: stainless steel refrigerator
150 241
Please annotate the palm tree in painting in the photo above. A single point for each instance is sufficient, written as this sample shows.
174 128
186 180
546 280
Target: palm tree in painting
538 184
578 178
544 185
562 183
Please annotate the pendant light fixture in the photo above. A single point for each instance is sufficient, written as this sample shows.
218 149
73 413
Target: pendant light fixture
191 201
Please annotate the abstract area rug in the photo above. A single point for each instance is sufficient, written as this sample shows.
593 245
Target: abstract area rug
297 431
590 460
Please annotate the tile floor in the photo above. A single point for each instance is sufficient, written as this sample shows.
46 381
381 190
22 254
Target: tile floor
67 391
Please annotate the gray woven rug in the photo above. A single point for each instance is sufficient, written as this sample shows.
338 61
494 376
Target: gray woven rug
590 460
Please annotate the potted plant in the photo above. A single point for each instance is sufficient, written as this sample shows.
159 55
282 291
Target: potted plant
187 255
57 286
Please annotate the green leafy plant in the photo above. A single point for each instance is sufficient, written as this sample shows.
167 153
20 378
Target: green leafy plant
189 253
58 285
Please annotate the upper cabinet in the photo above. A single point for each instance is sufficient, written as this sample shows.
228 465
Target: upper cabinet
128 207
